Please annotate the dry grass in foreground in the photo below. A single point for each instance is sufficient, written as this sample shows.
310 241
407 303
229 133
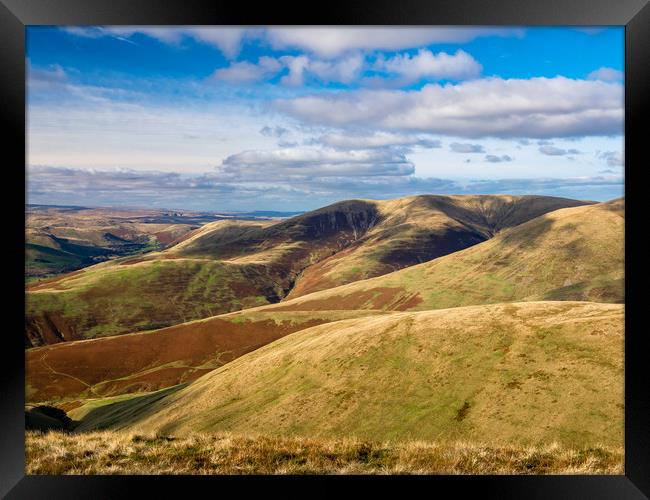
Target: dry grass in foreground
110 452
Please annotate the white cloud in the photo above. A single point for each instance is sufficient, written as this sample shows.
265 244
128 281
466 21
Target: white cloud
345 70
329 42
375 140
425 64
228 40
245 72
606 75
537 107
297 66
312 162
458 147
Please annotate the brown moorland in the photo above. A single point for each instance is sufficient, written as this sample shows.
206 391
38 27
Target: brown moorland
147 361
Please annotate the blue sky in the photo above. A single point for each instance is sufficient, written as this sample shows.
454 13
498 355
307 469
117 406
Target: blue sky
295 118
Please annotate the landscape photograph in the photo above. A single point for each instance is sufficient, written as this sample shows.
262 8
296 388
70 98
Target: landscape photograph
324 250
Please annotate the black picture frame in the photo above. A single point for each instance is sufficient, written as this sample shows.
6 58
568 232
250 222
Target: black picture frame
633 14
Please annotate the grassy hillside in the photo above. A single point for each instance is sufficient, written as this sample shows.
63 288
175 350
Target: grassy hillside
418 229
519 373
231 265
118 297
569 254
68 372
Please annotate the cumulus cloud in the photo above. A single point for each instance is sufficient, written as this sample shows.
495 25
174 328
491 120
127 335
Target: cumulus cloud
553 151
425 64
458 147
345 70
533 108
313 162
330 42
606 75
245 72
497 159
375 140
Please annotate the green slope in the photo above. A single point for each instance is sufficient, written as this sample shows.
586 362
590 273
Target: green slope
524 373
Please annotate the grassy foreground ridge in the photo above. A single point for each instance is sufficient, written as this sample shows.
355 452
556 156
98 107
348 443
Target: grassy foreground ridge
223 453
520 373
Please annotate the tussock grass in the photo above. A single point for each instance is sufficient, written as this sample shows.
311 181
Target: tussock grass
55 453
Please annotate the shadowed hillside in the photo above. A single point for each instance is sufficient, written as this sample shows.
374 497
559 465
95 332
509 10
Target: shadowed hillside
506 373
421 228
230 265
569 254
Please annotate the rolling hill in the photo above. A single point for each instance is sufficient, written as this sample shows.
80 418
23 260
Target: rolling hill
568 254
523 373
231 265
581 245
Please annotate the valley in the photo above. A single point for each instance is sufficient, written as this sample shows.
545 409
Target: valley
61 239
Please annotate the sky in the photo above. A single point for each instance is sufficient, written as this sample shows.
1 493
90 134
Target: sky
295 118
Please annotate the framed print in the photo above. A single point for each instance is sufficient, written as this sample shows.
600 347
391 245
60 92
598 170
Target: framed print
382 244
